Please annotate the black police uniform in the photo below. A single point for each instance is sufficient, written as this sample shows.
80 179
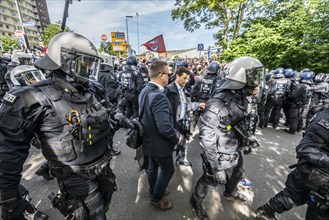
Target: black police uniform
309 182
107 78
308 93
275 98
294 106
204 87
221 137
72 127
321 93
131 84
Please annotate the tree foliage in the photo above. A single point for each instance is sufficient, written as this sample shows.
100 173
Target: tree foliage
280 33
108 48
225 15
8 43
50 31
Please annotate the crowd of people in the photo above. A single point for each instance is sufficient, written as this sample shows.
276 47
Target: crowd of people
71 102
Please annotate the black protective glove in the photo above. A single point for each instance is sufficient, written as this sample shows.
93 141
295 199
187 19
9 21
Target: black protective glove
137 124
220 177
18 209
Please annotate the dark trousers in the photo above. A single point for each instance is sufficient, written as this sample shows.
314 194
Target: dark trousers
295 118
159 181
83 196
273 108
206 184
296 193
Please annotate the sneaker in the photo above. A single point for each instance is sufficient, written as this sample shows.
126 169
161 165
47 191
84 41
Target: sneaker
244 183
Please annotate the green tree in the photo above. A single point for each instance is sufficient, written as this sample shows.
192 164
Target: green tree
288 33
226 16
8 43
50 31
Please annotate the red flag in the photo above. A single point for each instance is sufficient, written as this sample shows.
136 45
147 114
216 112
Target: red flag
156 44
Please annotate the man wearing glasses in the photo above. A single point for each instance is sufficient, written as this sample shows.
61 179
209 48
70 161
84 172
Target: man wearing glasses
159 134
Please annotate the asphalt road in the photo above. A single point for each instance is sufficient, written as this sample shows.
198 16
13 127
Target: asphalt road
266 167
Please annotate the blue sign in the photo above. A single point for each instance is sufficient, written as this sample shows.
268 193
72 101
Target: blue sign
104 43
132 52
200 47
21 41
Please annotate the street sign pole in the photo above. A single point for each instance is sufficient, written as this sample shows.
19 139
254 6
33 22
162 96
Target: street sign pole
26 42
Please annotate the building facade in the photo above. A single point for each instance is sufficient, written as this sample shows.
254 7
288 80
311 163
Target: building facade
34 14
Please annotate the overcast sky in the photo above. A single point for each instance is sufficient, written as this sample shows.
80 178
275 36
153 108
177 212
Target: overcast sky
92 18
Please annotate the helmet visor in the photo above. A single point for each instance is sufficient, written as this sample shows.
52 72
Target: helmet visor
87 66
32 76
255 77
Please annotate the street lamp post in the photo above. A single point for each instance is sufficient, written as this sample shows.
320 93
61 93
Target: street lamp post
137 33
128 16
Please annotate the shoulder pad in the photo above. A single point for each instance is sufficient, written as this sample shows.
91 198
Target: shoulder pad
324 123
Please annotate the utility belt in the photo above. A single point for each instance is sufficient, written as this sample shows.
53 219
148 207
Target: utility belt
89 171
320 199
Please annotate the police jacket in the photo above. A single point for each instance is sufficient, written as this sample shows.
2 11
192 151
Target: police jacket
295 95
222 127
131 81
204 87
278 87
314 147
107 78
69 120
159 134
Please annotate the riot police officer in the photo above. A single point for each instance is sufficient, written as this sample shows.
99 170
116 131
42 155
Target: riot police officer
205 85
306 80
309 181
4 61
17 58
278 86
224 132
67 114
131 84
294 106
321 93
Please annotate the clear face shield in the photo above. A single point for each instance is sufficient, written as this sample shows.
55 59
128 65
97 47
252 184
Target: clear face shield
87 66
255 77
30 77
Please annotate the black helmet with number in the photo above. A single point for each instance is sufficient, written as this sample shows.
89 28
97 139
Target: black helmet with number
243 71
131 63
72 53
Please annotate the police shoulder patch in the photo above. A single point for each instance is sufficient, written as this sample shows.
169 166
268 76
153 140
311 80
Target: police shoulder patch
10 98
323 123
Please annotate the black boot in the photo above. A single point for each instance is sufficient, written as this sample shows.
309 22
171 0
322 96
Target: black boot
200 212
265 212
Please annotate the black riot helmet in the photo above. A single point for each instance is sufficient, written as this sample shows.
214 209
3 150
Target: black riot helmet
24 75
143 69
278 73
244 71
182 63
131 63
289 73
213 68
72 53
